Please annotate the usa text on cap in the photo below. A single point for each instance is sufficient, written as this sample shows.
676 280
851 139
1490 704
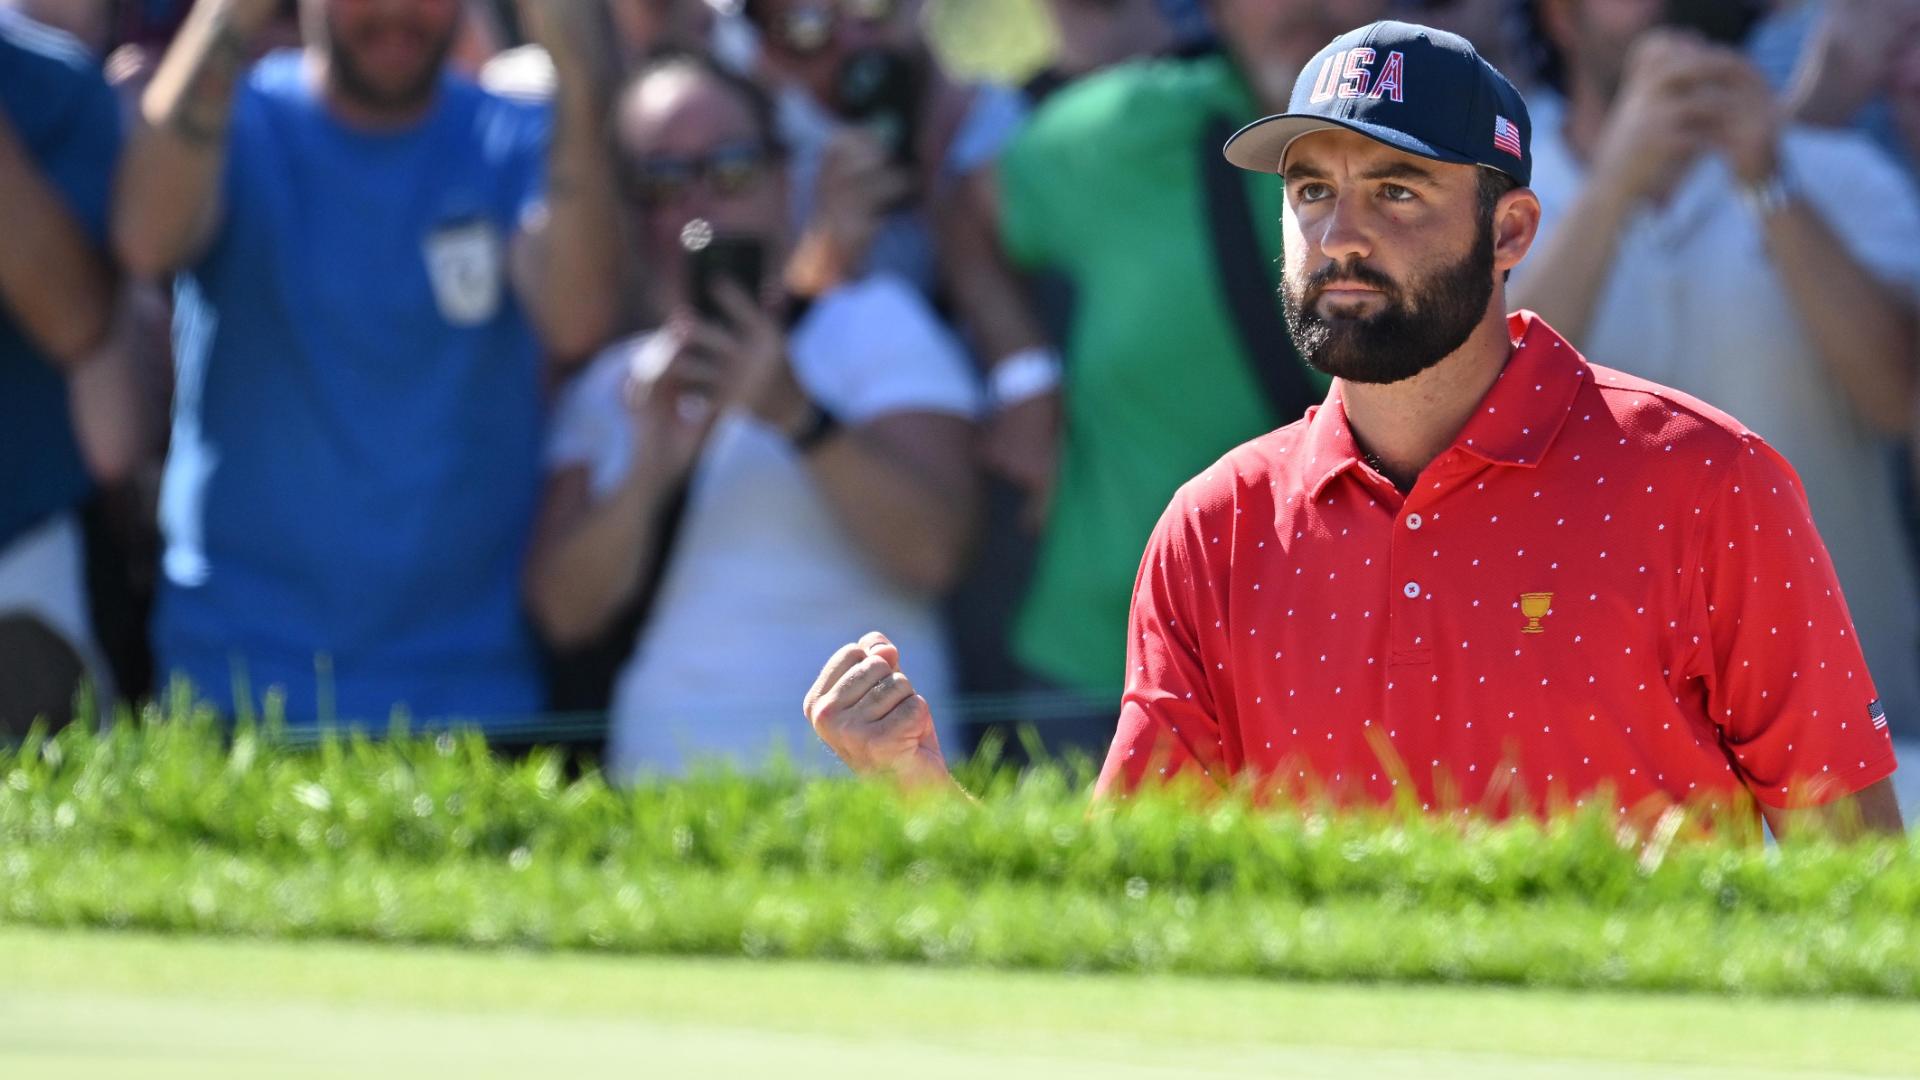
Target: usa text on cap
1414 88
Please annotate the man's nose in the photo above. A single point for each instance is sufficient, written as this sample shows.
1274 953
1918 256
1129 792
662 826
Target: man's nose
1341 234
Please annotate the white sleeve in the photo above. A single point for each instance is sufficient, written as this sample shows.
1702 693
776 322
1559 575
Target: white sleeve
875 348
589 427
1864 198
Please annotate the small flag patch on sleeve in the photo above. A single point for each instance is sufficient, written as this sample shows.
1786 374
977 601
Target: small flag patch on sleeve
1506 136
1878 714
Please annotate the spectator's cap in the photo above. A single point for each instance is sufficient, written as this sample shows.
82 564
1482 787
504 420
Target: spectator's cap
1414 88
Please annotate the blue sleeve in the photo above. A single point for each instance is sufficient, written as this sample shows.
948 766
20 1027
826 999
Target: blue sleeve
523 134
992 121
80 162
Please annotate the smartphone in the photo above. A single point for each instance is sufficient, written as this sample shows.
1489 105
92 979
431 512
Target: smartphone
739 259
1722 22
880 90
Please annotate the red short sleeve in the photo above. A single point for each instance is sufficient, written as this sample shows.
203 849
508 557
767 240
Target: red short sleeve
1169 722
1788 686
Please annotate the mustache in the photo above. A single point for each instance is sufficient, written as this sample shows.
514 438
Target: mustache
1356 272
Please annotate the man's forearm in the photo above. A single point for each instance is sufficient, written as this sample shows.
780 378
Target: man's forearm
988 291
577 278
1872 811
916 518
54 280
167 201
118 398
1862 329
578 580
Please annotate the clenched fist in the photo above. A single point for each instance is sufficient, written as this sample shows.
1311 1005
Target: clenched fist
866 710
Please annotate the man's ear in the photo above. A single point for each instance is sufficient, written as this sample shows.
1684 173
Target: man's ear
1516 221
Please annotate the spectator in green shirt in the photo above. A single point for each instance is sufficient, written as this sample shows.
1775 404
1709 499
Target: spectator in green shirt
1110 188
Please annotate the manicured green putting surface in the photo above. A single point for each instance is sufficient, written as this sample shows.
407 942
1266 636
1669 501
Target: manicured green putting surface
95 1004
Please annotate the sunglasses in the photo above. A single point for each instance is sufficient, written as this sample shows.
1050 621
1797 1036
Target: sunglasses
729 171
807 28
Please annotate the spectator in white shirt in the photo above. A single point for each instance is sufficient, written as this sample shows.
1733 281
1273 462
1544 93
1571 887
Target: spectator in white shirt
825 466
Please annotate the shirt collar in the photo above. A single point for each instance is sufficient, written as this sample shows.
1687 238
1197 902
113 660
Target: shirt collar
1514 424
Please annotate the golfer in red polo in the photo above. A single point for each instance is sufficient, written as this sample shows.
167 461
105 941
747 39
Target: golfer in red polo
1484 574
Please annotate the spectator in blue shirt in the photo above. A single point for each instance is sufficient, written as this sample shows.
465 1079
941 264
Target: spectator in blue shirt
370 264
59 135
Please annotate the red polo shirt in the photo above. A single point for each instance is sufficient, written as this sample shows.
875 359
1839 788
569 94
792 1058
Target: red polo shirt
1603 586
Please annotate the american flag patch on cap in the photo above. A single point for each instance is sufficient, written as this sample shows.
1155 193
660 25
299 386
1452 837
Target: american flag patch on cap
1506 136
1878 714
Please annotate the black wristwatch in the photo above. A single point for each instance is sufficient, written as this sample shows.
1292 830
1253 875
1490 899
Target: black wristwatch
819 427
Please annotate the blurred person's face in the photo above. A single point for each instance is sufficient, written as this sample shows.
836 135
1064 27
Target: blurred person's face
386 55
809 40
689 148
1390 259
1271 39
1595 36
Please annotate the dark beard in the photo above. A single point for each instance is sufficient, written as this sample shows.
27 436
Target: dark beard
354 84
1406 337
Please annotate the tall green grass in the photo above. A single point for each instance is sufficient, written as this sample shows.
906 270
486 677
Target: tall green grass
169 824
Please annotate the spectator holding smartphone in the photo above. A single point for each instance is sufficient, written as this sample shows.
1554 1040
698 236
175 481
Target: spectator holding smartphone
371 253
820 459
880 135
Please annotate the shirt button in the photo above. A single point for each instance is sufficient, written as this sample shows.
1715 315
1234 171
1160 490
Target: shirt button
1411 590
1413 522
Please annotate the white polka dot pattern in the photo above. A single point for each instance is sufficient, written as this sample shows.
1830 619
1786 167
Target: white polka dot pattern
1603 585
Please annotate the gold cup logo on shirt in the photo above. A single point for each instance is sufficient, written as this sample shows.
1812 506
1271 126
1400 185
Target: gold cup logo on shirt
1535 605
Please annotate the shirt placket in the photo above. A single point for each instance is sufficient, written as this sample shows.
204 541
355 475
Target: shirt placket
1411 694
1410 568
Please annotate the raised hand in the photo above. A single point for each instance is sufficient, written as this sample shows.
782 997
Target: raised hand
1853 55
1668 112
752 346
858 185
1751 119
674 393
866 710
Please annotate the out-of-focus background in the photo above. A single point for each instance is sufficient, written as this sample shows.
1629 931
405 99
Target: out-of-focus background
339 458
436 434
1007 40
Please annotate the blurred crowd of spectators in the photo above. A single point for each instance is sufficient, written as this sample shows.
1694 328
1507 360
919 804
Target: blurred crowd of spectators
498 360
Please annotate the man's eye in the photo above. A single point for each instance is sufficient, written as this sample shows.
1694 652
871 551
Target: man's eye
1396 193
1312 191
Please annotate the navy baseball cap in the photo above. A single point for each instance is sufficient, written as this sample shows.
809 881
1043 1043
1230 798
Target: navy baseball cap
1414 88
